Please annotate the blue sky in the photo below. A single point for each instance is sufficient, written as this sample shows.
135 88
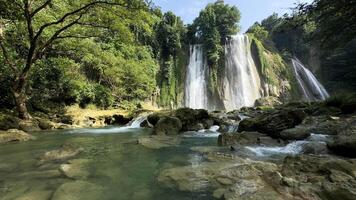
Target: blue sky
251 10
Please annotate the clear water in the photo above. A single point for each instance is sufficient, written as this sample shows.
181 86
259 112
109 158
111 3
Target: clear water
125 169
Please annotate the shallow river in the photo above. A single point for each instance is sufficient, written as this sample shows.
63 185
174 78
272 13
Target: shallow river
123 168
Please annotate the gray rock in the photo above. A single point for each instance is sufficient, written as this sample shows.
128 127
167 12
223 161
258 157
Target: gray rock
168 126
296 133
78 190
14 135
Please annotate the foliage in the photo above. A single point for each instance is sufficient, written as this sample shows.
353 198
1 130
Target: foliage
259 31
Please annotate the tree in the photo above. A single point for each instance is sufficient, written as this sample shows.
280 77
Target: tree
335 20
259 31
28 33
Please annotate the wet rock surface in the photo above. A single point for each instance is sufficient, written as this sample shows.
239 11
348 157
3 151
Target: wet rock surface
14 135
66 151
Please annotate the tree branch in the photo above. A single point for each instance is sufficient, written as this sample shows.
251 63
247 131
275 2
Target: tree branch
55 36
67 15
43 6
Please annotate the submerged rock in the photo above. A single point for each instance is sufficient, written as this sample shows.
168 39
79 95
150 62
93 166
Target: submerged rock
66 151
158 142
76 169
78 190
36 195
14 135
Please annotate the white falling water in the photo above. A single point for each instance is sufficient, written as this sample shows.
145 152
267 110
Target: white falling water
196 85
310 86
241 84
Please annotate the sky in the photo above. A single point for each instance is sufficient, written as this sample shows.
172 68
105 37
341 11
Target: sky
251 10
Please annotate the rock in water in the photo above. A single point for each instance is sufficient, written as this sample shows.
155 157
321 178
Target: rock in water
14 135
158 142
65 152
76 169
168 126
78 190
345 142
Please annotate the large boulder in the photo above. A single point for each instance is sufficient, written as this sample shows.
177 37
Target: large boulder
8 122
191 119
246 138
267 101
168 126
272 123
14 135
344 143
296 133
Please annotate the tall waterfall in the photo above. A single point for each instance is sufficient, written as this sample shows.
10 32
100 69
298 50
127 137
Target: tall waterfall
312 89
196 95
241 83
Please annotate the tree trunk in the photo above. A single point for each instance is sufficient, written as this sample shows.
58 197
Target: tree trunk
20 97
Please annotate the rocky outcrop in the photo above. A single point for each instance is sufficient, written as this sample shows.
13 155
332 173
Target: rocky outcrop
273 122
246 138
344 143
14 135
269 101
168 126
183 119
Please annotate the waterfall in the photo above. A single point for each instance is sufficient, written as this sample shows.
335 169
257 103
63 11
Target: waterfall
196 85
241 83
312 89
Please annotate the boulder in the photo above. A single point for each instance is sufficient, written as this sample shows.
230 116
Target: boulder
45 124
29 125
168 126
8 122
267 101
78 190
246 138
273 122
65 152
296 133
344 143
76 169
14 135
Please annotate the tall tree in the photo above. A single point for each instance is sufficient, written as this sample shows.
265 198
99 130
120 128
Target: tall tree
28 29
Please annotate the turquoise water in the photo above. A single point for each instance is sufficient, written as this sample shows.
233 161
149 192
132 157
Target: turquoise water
124 169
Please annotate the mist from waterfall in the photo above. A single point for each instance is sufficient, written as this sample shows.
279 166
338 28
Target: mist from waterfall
196 95
312 89
241 83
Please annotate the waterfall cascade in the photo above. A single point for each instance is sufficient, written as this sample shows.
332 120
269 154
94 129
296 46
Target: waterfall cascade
241 84
196 95
312 89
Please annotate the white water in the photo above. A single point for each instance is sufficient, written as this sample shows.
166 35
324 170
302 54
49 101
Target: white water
312 89
292 148
196 95
241 83
131 126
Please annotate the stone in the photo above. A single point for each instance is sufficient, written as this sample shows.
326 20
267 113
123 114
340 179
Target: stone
45 124
267 101
76 169
168 126
8 122
36 195
78 190
219 193
14 135
296 133
246 138
158 142
65 152
29 125
344 143
273 122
